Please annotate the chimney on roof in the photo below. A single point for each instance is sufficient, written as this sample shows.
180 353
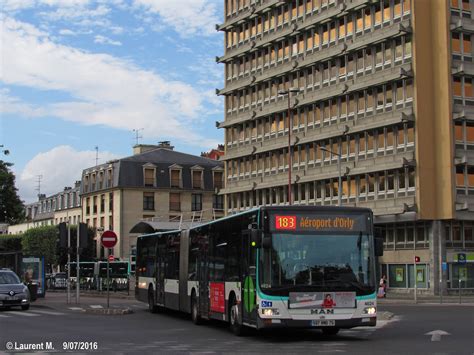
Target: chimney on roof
166 145
142 148
77 184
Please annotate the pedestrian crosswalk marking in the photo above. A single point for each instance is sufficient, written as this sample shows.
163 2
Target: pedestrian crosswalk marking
24 314
75 308
3 316
48 312
96 306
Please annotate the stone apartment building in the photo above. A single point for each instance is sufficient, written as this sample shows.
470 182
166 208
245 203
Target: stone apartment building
52 210
152 187
384 85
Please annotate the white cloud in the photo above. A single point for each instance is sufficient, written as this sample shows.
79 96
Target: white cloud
60 166
105 40
187 17
66 32
105 90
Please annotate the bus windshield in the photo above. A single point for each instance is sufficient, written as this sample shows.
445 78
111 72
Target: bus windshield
309 262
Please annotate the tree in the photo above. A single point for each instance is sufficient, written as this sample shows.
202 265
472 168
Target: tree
41 241
11 207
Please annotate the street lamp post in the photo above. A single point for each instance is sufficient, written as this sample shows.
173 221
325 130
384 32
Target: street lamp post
339 189
281 93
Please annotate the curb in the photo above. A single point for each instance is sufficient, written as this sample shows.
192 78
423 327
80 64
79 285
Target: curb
110 311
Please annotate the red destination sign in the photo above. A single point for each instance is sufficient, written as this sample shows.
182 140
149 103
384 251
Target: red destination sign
285 222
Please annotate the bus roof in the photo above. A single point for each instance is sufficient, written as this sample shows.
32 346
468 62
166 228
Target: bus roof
270 208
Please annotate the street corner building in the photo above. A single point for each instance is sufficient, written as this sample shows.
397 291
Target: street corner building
155 189
383 85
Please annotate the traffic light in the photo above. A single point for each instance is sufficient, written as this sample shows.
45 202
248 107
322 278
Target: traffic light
62 234
83 237
417 259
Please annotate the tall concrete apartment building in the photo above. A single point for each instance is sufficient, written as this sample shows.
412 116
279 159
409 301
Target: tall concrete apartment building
384 84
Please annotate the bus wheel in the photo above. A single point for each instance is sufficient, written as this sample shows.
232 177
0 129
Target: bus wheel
330 331
236 325
151 301
195 310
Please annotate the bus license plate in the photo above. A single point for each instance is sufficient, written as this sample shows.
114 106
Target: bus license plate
323 323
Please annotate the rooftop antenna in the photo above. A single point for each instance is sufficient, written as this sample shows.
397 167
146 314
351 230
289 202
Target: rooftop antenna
137 134
96 155
38 186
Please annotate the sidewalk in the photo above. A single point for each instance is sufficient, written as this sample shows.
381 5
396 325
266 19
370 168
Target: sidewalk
87 303
409 298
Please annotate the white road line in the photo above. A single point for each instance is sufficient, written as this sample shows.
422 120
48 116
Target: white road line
96 306
48 312
4 316
75 308
24 314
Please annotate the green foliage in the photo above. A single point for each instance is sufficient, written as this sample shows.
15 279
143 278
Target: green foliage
41 241
11 207
10 242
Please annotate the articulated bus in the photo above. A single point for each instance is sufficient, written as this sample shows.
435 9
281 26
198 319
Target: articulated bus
303 266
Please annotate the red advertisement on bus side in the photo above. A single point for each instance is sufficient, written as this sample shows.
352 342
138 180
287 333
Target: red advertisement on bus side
217 295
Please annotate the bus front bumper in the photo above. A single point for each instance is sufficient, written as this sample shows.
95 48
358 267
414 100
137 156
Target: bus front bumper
316 323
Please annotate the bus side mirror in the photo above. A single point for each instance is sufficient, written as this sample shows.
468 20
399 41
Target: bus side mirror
256 238
378 245
267 241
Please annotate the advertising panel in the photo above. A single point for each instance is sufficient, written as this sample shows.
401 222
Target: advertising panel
301 300
217 294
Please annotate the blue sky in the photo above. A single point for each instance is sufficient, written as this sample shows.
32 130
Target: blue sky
76 74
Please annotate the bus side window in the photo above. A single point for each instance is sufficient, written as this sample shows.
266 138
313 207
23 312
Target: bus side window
233 261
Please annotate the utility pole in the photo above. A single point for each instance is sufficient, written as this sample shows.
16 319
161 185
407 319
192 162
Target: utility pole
68 284
290 127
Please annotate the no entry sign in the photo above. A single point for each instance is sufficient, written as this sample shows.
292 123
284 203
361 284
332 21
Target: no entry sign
108 239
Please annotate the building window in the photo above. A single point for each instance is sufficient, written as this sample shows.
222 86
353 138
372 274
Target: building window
102 203
175 202
88 206
149 201
196 202
111 202
218 179
94 207
175 178
218 202
149 175
197 179
109 178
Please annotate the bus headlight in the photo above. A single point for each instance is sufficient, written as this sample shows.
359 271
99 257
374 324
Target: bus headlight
270 312
370 310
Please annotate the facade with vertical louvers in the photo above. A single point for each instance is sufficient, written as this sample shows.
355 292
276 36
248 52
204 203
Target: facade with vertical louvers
384 84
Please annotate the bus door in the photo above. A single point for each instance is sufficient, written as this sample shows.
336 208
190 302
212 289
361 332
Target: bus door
203 277
160 276
249 272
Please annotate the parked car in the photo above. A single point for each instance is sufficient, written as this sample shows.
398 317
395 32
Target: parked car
59 280
13 292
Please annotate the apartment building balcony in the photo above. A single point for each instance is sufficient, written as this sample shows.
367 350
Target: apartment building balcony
310 58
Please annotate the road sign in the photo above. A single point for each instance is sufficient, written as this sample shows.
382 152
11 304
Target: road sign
461 258
108 239
111 258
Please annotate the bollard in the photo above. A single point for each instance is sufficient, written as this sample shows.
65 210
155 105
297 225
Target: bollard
459 291
440 290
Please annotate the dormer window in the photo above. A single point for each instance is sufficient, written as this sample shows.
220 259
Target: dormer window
149 175
218 180
176 178
197 177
